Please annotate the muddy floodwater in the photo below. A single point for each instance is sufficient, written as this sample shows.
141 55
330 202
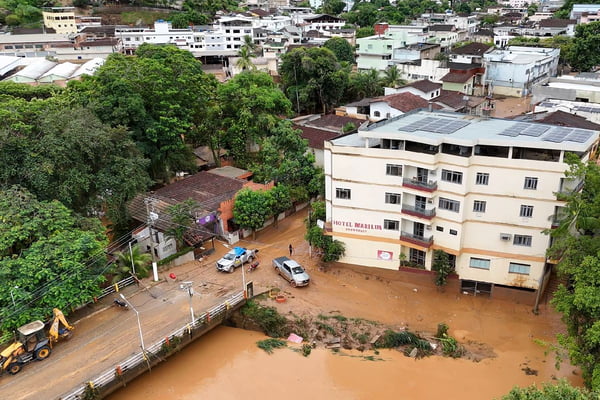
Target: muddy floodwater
227 364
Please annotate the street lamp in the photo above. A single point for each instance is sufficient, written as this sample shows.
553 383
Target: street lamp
13 297
189 286
137 314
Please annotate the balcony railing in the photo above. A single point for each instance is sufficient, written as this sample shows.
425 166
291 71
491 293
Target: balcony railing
428 186
418 211
566 190
425 241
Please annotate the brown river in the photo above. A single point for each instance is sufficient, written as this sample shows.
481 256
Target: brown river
227 364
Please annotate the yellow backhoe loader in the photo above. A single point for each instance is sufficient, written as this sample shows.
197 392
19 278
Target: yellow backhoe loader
33 344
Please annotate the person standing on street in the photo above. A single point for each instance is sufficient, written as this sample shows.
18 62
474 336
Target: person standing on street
291 249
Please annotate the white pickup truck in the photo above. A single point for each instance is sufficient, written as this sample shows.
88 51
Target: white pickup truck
291 271
236 257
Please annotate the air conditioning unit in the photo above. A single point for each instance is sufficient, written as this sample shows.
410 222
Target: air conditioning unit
505 236
428 227
429 201
432 172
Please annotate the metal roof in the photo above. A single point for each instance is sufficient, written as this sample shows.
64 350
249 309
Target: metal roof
35 70
31 327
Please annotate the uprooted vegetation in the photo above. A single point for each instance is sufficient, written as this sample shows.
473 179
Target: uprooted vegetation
336 331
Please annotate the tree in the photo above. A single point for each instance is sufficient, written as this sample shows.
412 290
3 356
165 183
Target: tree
365 32
391 77
585 52
161 96
126 261
281 200
182 219
362 14
331 250
182 20
577 245
560 391
333 7
341 48
252 208
442 267
490 19
51 257
365 84
244 60
249 106
313 78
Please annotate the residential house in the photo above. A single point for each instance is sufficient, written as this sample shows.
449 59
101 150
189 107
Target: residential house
458 102
479 189
446 35
471 53
483 36
423 88
317 129
460 81
578 11
560 118
392 105
588 111
556 26
516 70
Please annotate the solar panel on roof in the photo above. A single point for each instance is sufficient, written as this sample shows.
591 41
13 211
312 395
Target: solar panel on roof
435 125
535 130
579 136
557 135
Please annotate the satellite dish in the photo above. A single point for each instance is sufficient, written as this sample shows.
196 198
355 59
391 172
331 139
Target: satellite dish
153 216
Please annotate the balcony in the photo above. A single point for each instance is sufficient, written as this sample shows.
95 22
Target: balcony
418 211
416 239
414 183
568 187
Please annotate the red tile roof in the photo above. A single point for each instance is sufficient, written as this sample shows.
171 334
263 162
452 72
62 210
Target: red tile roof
404 102
456 77
425 85
315 136
556 23
474 49
562 118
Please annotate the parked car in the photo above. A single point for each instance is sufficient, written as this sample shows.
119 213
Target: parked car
291 271
236 257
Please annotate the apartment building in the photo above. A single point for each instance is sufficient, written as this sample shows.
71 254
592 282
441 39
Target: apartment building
481 190
61 19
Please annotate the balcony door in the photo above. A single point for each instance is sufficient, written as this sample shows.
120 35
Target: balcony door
420 203
422 175
418 229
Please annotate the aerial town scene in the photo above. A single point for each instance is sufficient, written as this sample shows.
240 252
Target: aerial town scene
328 199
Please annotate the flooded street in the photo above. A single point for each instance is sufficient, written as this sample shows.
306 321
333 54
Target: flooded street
227 364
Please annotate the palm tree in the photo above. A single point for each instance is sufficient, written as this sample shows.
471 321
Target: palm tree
248 43
122 268
391 77
245 57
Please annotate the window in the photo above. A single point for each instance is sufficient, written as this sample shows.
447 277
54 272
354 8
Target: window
515 268
479 206
479 263
526 211
453 232
342 193
393 169
530 183
439 228
417 257
391 224
450 205
452 176
392 198
522 240
376 114
482 178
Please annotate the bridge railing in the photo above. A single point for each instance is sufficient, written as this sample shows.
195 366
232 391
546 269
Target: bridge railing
138 359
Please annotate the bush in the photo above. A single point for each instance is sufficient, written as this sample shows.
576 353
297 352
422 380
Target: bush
267 318
269 345
391 339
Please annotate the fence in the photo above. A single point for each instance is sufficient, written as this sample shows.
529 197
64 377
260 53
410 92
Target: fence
137 364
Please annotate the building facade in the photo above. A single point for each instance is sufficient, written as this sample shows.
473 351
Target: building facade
481 190
61 19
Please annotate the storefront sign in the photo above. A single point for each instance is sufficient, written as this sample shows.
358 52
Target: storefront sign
356 226
385 255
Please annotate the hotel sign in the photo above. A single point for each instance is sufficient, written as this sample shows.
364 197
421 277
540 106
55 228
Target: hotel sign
351 226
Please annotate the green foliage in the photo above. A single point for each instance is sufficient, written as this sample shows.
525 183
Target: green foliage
326 327
28 92
349 127
332 7
281 200
271 344
559 391
252 208
122 268
490 19
183 218
365 32
244 61
585 52
51 258
442 329
364 84
267 318
577 247
391 339
343 50
331 250
182 20
249 106
160 96
306 349
441 265
313 78
451 347
210 7
391 77
318 211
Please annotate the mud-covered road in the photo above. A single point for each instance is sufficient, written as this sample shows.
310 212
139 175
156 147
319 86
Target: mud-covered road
106 337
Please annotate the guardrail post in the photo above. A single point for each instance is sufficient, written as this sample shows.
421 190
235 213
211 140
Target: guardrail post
116 287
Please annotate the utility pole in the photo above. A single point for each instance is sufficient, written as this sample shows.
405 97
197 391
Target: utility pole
152 216
131 258
190 288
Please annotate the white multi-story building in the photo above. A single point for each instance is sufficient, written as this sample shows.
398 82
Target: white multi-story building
482 190
516 70
162 33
